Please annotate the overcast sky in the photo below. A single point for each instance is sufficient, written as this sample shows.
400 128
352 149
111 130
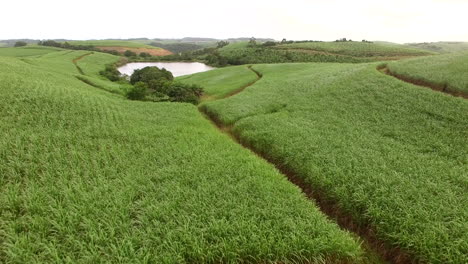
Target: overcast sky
391 20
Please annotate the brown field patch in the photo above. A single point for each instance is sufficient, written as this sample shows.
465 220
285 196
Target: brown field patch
153 52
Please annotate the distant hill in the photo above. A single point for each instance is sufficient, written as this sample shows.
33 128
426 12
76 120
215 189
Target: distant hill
441 47
247 39
11 42
190 39
122 45
237 53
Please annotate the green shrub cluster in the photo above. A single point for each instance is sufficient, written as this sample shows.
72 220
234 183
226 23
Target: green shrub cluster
154 84
20 44
129 53
111 73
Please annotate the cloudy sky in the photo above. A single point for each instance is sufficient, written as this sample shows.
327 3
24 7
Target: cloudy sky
391 20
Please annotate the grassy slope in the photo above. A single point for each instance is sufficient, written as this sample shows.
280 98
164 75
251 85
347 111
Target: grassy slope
450 70
221 82
92 65
86 176
391 154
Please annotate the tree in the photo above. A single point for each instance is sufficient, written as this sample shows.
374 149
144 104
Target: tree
20 44
222 43
111 73
252 42
145 55
148 74
269 44
181 92
129 53
138 92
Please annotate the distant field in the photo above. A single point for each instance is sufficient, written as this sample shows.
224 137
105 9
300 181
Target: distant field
111 43
121 46
441 47
391 154
348 52
221 82
357 49
448 71
87 176
27 51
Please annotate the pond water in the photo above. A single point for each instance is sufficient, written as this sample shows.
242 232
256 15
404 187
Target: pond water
177 68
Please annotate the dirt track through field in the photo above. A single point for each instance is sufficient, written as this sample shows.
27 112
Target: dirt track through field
376 251
439 88
75 61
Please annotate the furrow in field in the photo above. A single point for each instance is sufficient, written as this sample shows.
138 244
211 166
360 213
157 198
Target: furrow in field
376 250
75 61
419 82
259 76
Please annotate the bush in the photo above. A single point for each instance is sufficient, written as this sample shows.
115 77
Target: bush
111 73
113 52
145 55
269 44
221 44
138 91
154 84
151 73
181 92
20 44
129 53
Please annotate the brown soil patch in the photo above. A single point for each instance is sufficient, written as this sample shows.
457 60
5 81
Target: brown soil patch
153 52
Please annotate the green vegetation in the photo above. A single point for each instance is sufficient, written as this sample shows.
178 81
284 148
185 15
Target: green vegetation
221 82
357 49
87 176
225 53
154 84
92 66
129 53
391 154
445 72
20 44
307 51
441 47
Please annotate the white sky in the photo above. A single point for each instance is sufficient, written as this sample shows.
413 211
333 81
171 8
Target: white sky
390 20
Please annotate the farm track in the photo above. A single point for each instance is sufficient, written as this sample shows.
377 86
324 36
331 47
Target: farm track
439 88
376 251
259 76
75 61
